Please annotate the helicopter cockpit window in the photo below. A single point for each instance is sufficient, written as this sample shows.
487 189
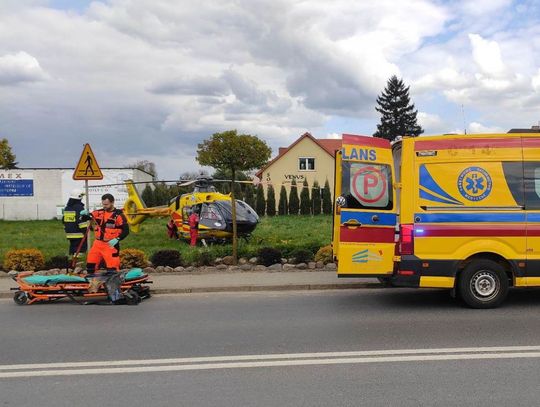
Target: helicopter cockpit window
210 211
243 212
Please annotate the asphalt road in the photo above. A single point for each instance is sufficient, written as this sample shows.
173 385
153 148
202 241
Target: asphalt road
273 349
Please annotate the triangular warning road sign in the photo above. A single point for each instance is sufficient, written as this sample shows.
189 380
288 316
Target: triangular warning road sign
87 168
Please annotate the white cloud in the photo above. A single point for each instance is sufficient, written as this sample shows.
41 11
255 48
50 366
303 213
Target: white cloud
475 127
19 68
487 55
431 123
483 7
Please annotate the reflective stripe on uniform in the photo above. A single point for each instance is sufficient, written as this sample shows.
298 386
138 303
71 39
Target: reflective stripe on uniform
83 225
70 216
74 235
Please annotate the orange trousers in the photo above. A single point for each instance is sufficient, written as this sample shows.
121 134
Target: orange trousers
99 251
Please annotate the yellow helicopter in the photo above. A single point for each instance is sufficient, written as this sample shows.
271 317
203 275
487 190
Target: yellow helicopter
214 209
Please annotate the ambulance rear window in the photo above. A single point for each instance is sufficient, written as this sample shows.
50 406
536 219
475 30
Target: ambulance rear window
367 185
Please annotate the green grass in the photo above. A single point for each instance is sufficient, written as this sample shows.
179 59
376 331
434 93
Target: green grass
286 233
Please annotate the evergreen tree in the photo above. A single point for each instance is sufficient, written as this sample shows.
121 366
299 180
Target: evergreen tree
238 191
249 197
398 115
283 207
161 194
270 201
316 198
260 202
148 195
294 202
327 206
305 203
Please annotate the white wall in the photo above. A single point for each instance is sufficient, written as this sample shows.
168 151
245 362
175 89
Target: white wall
52 188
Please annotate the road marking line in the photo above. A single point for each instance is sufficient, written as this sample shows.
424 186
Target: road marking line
131 362
280 363
270 360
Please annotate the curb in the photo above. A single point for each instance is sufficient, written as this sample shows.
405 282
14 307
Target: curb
252 288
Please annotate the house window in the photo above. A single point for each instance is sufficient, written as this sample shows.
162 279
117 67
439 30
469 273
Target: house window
306 164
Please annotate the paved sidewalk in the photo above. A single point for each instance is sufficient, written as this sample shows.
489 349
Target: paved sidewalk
181 283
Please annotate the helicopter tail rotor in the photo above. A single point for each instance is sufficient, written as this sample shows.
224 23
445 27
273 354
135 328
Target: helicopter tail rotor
132 207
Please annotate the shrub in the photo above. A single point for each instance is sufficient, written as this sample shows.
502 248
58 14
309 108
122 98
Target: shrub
203 257
294 201
58 262
302 255
131 258
316 201
270 201
249 197
283 207
260 202
169 258
24 260
325 254
268 256
327 206
305 201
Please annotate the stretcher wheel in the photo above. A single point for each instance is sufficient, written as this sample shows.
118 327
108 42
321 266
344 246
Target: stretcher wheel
20 297
131 297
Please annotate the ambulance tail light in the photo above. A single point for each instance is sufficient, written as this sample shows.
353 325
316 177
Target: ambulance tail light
406 239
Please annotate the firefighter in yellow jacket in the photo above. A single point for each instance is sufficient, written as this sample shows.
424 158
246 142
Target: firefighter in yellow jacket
76 221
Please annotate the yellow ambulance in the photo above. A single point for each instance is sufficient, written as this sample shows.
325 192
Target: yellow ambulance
460 212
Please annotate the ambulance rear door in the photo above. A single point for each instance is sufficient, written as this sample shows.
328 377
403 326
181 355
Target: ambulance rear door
365 208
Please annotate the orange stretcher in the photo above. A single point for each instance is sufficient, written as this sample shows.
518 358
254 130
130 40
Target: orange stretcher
132 288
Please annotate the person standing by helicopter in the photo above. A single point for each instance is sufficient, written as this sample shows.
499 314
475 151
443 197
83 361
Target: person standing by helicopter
193 226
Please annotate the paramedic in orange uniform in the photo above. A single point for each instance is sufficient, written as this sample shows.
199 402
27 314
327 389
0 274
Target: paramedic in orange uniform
193 226
110 226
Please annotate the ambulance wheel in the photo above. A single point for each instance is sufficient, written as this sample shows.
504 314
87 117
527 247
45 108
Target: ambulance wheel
131 297
20 298
483 284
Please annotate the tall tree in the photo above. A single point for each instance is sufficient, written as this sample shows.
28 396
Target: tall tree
283 206
305 203
294 202
398 115
234 152
249 197
270 201
7 158
260 203
327 206
316 198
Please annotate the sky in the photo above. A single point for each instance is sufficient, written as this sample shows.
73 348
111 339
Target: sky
150 79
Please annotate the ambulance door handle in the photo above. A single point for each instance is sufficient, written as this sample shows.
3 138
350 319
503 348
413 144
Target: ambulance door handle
375 218
352 223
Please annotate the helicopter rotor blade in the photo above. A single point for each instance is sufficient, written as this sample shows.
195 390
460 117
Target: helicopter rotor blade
134 183
236 181
183 183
